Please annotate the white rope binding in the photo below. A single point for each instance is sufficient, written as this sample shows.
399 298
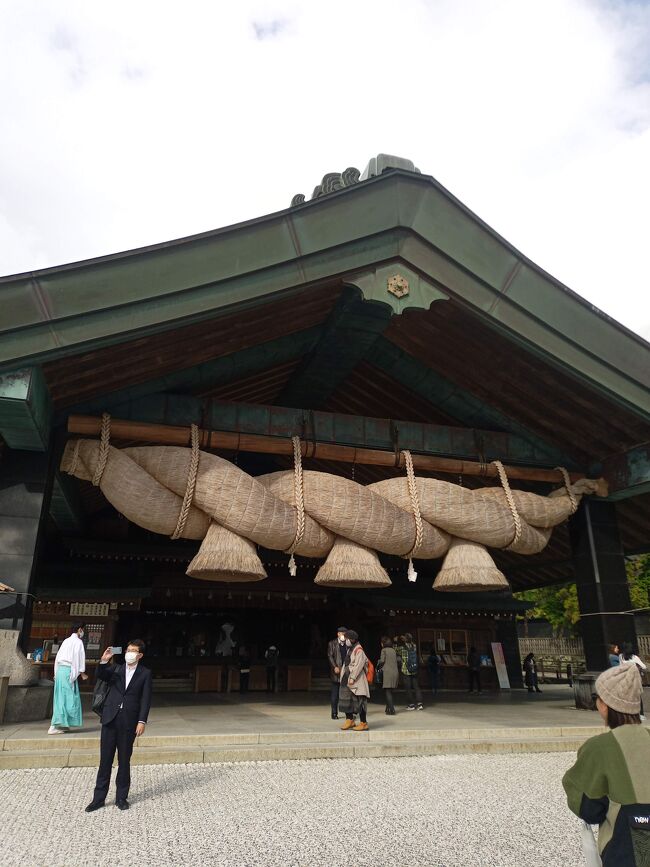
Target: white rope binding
299 494
511 502
191 484
104 449
415 503
567 484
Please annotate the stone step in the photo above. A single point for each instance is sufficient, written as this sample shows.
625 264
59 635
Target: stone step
334 736
352 745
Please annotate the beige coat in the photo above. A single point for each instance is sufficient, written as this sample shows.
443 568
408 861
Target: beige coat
358 668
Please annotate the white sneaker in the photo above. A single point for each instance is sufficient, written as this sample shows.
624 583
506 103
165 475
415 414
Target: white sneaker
53 730
642 717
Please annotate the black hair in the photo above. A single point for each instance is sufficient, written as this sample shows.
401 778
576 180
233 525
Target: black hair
615 718
137 642
77 626
386 641
628 651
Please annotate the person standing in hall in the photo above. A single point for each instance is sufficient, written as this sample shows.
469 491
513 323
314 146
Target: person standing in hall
336 653
433 667
69 666
244 670
355 691
474 668
124 717
387 664
272 659
530 673
614 655
407 657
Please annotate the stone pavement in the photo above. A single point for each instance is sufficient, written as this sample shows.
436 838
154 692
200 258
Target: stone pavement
442 811
229 713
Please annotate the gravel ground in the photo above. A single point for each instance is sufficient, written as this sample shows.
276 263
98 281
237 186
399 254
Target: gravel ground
439 811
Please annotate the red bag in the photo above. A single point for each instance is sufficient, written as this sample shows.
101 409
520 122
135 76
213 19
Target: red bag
370 672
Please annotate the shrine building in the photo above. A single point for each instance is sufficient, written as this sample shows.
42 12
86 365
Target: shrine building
307 358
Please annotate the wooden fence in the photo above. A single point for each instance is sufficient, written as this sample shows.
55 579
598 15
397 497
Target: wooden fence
551 647
553 655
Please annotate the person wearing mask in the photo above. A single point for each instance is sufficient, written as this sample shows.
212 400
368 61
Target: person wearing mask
354 691
69 666
530 673
387 665
124 717
433 667
474 668
408 664
336 653
628 655
272 659
609 785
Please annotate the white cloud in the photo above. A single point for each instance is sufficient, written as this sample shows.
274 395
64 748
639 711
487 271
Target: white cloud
139 122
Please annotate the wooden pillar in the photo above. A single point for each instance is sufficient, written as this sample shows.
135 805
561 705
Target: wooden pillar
23 482
601 581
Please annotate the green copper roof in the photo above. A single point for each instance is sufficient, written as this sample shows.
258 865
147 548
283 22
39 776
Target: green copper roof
360 233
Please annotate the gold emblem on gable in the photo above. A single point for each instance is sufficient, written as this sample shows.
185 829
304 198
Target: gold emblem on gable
398 286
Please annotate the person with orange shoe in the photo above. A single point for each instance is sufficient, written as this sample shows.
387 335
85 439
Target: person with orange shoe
355 691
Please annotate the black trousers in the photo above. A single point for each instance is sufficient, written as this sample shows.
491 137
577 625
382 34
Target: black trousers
119 734
271 679
412 687
390 704
334 696
243 681
474 678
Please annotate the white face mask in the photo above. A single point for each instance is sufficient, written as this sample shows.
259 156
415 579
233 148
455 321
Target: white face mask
131 656
348 642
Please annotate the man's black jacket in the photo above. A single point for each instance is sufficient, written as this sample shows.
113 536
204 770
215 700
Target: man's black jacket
135 701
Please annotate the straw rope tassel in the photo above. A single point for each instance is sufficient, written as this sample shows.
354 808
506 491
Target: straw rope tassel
567 485
511 502
191 484
299 495
415 503
104 448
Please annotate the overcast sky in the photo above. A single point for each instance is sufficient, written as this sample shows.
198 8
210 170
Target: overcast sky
129 123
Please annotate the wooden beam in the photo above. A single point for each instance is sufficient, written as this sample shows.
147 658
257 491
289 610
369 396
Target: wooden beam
628 473
246 442
466 443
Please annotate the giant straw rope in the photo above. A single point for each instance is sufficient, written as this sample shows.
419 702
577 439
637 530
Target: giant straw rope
191 494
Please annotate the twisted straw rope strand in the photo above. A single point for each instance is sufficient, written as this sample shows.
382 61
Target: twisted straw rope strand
567 485
511 502
415 502
299 493
191 484
104 449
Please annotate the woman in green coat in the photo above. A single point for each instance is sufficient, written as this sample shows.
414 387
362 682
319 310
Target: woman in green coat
609 785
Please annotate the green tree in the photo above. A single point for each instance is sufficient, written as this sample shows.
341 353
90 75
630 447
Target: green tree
638 574
558 604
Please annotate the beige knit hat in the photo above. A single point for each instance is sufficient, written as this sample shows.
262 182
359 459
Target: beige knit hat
620 688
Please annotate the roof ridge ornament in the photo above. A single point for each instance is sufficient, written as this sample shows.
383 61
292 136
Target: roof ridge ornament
334 181
331 182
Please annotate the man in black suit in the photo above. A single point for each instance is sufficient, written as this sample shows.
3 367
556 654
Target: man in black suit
336 653
124 717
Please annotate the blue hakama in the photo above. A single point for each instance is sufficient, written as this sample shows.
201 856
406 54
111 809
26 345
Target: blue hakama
67 701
